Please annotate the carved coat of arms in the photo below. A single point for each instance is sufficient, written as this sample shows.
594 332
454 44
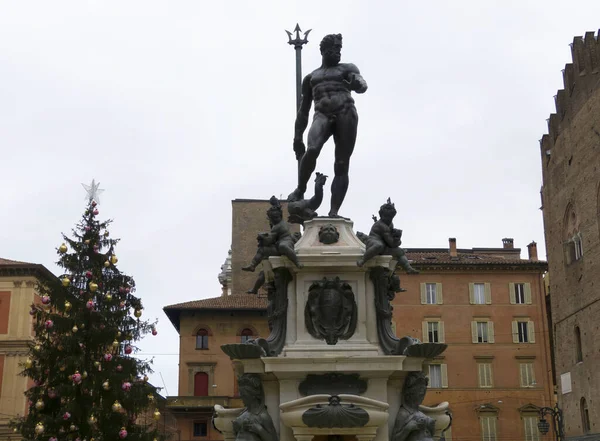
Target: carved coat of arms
330 313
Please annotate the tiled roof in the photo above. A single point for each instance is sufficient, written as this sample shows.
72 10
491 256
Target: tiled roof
10 267
240 302
424 257
12 262
236 301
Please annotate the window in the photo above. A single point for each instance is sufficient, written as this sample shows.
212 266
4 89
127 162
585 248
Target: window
526 374
435 375
520 293
585 416
430 290
202 339
433 331
488 428
482 331
485 374
431 293
480 294
578 246
438 375
579 353
532 432
246 334
523 331
200 428
201 384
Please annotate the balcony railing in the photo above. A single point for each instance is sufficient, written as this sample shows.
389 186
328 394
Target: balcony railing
176 403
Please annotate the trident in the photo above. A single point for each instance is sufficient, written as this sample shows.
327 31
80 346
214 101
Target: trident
298 43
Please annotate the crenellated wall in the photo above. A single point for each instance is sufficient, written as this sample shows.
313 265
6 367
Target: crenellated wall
581 78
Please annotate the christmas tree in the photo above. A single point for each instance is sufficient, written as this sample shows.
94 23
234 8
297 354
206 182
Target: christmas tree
87 386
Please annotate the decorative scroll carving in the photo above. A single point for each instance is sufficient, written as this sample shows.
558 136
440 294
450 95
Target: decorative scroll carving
335 415
333 383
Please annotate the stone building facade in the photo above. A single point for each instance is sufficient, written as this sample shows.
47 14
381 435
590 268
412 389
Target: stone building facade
17 293
488 304
570 155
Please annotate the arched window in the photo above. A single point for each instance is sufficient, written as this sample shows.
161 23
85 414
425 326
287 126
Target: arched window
202 339
246 334
585 416
578 344
201 384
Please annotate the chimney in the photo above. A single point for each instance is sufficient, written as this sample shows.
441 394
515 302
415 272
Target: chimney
532 248
508 243
452 244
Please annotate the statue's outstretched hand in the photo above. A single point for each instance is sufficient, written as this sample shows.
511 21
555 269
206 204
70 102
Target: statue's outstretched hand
299 148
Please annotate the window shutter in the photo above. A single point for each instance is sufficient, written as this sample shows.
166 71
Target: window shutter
515 331
490 332
438 293
489 373
425 334
471 294
441 333
444 370
423 294
530 332
488 294
481 374
531 373
523 374
511 293
474 331
527 293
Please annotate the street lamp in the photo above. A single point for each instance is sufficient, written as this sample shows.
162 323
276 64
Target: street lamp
557 422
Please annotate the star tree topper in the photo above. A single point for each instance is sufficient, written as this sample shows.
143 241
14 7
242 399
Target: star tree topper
93 192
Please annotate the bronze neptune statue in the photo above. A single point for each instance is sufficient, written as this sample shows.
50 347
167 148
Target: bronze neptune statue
329 87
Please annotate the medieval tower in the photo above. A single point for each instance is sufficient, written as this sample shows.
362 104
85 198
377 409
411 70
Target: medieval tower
570 155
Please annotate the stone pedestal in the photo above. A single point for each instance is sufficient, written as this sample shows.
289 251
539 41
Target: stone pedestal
376 383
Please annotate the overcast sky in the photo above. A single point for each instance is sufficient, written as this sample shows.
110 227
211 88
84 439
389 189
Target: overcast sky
179 107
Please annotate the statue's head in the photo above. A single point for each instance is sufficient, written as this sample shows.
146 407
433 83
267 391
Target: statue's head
328 234
331 49
387 211
274 213
415 388
251 391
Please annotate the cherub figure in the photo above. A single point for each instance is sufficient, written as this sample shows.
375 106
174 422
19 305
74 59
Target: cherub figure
305 209
384 239
278 242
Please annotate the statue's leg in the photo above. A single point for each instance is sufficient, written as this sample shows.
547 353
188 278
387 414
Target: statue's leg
403 262
373 249
318 134
260 281
287 250
345 138
258 257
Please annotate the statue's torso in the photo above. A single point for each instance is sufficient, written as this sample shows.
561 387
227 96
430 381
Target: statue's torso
330 89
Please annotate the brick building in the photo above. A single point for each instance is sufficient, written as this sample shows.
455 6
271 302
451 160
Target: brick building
17 284
571 206
488 304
